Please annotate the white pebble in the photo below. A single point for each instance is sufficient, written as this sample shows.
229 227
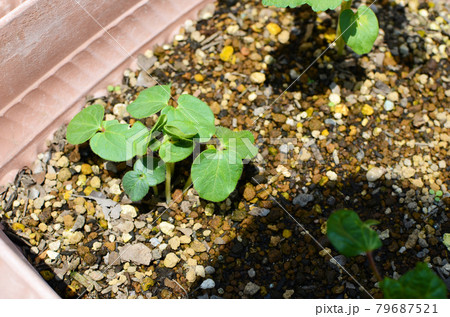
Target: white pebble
208 284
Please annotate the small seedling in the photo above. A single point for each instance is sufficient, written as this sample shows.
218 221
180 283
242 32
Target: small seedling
177 132
351 237
358 30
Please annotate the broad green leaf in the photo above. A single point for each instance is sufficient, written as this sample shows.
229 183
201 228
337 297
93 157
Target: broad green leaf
316 5
147 171
180 130
360 29
138 138
172 151
150 101
240 142
215 174
153 168
135 185
85 124
194 111
111 144
349 235
420 283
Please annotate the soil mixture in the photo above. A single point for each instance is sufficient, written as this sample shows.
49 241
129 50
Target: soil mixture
368 133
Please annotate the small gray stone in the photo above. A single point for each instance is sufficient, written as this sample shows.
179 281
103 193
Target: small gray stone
79 223
38 203
303 199
388 105
34 193
209 270
156 254
145 62
374 174
207 284
259 212
154 242
251 273
251 288
138 253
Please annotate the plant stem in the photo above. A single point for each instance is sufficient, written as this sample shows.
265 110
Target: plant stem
188 183
340 43
155 190
169 172
373 266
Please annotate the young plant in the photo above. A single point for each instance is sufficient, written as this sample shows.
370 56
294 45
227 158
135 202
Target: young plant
351 237
177 132
358 30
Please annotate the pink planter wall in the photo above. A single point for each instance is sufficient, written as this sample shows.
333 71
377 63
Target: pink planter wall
52 54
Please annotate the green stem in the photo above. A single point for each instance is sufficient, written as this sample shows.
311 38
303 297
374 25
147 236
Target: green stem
155 190
169 171
340 43
373 266
188 183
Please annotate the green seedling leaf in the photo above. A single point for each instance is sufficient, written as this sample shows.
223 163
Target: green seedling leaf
360 29
240 142
111 144
138 138
420 283
316 5
85 124
371 222
172 151
215 174
195 112
147 171
153 168
150 101
181 130
159 125
154 144
135 185
349 235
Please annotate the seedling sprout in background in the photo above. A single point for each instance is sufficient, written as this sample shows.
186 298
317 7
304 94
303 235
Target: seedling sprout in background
352 237
358 30
178 130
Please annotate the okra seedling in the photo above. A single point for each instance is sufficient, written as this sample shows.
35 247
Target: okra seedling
351 237
177 131
358 30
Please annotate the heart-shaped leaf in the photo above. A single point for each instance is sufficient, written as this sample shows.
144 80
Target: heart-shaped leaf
85 124
147 171
194 111
138 138
135 185
316 5
172 151
360 29
420 283
150 101
349 235
215 174
153 168
240 142
111 144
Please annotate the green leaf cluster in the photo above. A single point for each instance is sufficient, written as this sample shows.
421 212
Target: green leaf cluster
351 237
176 133
419 283
359 29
